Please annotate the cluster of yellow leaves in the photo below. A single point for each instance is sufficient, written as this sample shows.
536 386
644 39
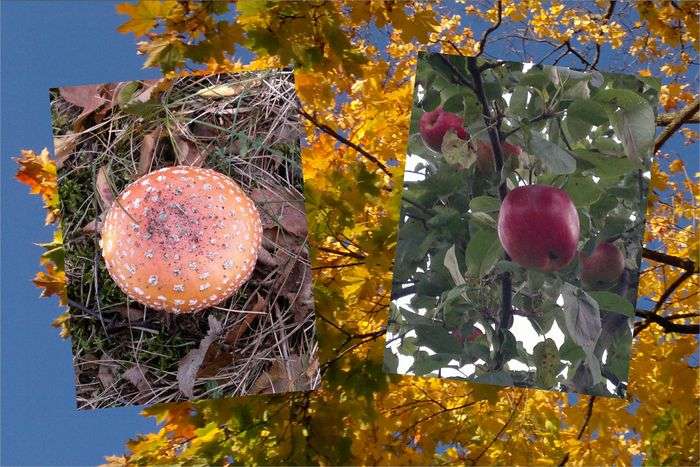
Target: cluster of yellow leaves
559 21
674 23
673 94
38 171
673 34
665 218
361 415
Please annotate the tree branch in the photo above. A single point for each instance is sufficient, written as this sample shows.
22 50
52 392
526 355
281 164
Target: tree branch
493 127
338 266
350 254
586 421
611 9
665 323
657 256
482 43
676 122
578 55
330 131
459 77
666 119
671 288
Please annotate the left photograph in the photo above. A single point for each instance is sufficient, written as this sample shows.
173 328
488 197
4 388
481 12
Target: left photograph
185 237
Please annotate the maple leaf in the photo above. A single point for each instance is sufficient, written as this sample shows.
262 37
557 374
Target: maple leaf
38 171
52 281
145 14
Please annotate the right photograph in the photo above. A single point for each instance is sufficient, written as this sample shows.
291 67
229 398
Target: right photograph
520 233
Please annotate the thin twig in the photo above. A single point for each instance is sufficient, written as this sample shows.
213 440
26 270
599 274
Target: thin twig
665 323
482 43
330 131
513 413
586 421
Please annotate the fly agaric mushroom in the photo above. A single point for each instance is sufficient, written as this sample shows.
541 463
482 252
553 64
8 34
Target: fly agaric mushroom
181 239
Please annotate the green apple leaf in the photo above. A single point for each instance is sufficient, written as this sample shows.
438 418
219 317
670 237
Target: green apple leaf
581 316
452 266
633 120
483 252
613 302
557 160
485 204
547 361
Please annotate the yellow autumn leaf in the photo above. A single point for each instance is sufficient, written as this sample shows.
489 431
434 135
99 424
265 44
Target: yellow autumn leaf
676 165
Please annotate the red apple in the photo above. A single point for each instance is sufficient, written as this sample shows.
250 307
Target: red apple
603 266
485 160
434 125
538 227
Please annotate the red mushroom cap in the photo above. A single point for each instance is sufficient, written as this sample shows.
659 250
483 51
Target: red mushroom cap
181 239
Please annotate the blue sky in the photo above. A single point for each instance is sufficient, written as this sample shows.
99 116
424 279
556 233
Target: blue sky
47 44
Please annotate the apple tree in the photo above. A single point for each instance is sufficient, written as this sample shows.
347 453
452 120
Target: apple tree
522 218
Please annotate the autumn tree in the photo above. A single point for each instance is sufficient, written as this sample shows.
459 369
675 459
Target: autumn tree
355 63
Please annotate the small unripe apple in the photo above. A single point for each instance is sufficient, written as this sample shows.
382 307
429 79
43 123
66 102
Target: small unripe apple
604 265
485 159
473 335
538 227
434 125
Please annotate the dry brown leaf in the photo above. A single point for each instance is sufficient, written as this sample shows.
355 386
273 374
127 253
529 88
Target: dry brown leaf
94 225
87 97
312 371
63 146
137 377
149 145
264 257
281 245
237 331
131 313
206 132
137 95
104 190
279 208
299 293
106 374
218 355
150 87
284 376
190 364
294 277
289 133
187 152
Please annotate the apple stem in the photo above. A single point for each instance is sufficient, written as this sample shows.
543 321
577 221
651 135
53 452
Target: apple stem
493 125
